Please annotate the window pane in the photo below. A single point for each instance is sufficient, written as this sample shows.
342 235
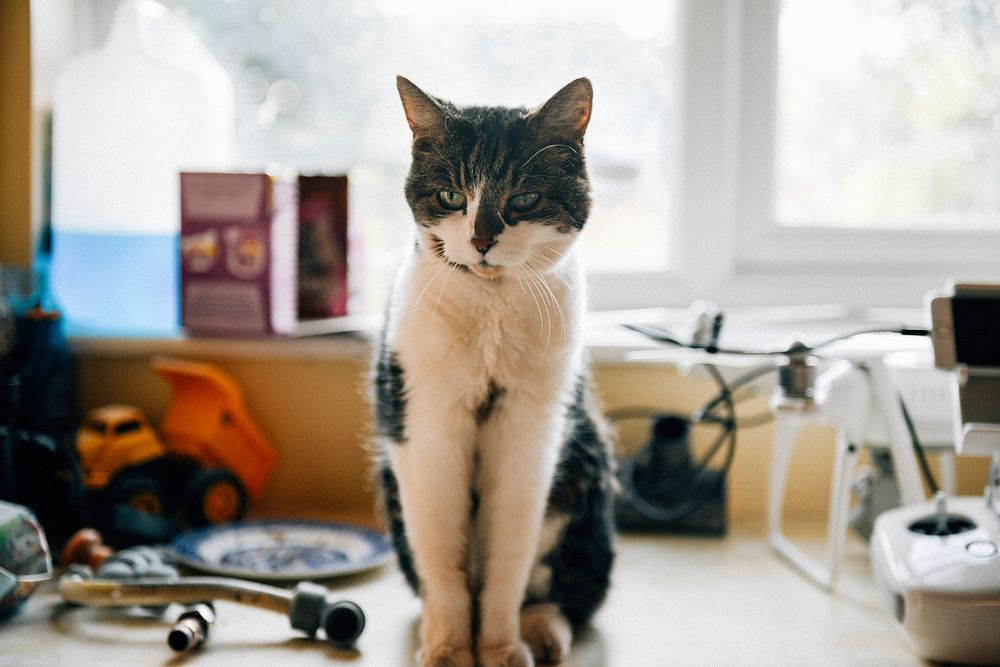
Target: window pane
315 88
889 114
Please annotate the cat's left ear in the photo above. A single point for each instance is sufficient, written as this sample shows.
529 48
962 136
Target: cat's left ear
424 114
567 113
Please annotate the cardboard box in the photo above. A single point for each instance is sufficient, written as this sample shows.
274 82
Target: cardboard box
238 253
323 289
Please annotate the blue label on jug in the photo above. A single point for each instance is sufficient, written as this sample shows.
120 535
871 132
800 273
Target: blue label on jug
116 284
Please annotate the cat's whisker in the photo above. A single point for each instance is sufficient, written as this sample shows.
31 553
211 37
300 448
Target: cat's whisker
559 309
517 274
552 296
545 148
544 262
422 279
559 276
533 283
551 250
451 272
551 257
538 307
435 271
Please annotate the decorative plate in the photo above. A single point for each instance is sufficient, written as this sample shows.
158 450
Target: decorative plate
282 550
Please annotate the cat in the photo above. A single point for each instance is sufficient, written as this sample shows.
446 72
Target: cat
495 467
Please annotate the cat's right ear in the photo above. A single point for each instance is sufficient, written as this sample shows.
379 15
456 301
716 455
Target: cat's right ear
423 112
567 113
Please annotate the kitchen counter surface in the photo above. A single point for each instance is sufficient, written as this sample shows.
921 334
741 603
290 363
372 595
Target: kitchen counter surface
674 600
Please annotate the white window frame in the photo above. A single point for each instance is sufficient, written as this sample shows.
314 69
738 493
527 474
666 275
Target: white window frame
726 245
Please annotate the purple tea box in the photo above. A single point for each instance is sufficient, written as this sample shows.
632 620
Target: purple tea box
323 247
238 253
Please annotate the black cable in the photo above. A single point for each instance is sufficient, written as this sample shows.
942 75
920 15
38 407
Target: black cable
741 380
663 336
728 423
918 448
731 409
634 412
628 467
697 417
668 515
730 426
671 485
902 331
702 415
742 422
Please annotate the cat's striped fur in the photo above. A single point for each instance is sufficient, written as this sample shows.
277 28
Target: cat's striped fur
495 471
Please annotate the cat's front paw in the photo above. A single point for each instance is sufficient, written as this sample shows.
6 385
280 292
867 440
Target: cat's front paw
510 655
444 656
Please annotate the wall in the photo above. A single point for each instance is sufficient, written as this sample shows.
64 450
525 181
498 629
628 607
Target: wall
314 412
15 133
313 406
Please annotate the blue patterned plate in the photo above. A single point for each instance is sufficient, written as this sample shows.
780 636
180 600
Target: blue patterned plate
282 550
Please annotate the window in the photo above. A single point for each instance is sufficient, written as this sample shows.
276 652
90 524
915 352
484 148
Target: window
889 115
868 156
745 151
315 88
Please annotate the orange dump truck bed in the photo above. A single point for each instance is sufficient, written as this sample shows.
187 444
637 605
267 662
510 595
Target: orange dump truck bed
207 420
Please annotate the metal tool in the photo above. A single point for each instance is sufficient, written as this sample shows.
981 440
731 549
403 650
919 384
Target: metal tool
308 606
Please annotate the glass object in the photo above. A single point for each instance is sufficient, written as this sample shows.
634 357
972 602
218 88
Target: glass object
889 114
127 117
21 289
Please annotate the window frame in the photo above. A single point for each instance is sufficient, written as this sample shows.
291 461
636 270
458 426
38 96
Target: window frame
724 243
727 245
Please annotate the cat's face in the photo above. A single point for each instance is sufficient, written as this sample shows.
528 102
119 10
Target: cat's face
496 190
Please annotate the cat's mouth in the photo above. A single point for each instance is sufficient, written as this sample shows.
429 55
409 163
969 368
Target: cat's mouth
483 269
486 270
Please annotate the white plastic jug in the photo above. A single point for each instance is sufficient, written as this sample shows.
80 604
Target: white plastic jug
127 118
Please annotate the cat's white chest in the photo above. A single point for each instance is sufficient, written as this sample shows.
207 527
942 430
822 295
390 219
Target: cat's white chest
471 333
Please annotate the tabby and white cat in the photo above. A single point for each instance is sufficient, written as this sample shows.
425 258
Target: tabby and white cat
495 471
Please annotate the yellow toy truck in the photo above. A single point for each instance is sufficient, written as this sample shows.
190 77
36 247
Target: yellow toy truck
213 457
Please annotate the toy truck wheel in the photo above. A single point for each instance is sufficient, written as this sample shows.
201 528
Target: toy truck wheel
214 495
140 491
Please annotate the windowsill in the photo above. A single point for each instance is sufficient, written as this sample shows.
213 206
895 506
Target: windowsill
605 345
334 347
607 340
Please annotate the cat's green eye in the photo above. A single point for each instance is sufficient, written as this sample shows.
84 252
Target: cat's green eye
524 202
451 200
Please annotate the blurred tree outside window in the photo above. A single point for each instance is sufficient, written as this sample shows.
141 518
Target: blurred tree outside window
889 114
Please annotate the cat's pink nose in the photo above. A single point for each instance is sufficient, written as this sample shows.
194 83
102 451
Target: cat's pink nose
483 245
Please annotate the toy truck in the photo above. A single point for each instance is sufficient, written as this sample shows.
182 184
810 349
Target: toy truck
211 459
